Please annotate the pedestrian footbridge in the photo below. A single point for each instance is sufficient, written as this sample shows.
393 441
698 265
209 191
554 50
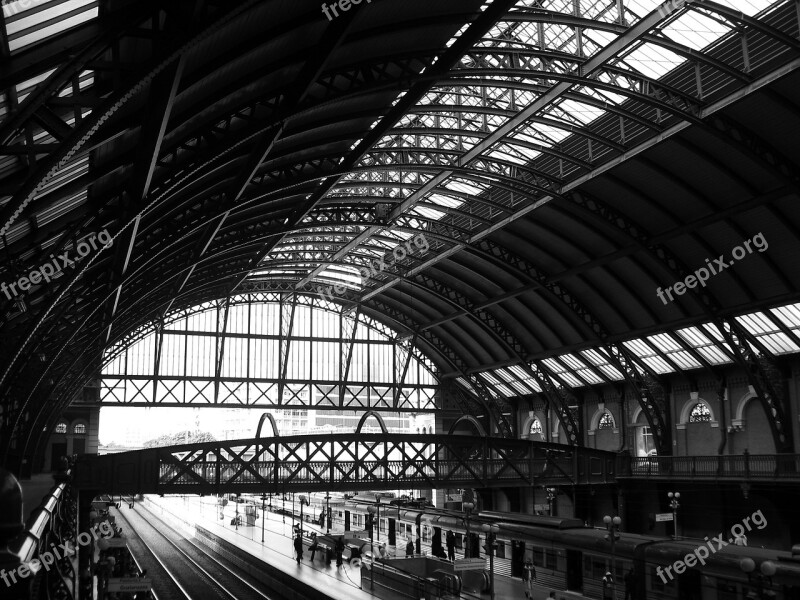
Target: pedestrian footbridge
343 462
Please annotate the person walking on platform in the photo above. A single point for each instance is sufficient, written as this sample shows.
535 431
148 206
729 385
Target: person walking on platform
451 545
529 576
608 586
313 546
410 548
298 547
339 551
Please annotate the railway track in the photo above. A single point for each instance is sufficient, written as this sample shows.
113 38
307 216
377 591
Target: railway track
181 569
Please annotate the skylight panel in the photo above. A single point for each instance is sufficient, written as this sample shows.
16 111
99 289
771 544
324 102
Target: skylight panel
584 113
694 30
767 333
652 61
601 362
748 7
30 22
789 315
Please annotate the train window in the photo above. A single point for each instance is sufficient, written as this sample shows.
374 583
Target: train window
501 550
595 567
538 557
657 584
550 559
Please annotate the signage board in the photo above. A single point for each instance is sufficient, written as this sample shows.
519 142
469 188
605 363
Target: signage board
661 517
130 584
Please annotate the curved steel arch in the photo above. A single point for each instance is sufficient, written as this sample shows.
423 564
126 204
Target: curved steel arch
378 417
268 417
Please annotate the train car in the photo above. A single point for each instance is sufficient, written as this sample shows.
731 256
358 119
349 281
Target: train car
571 556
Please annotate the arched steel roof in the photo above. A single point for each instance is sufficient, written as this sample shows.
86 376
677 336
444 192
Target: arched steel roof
561 161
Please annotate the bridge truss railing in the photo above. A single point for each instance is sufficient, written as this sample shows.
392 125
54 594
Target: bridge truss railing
345 462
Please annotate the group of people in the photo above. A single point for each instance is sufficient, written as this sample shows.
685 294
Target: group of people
338 549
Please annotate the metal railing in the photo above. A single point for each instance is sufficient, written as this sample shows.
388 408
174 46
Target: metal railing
34 571
738 466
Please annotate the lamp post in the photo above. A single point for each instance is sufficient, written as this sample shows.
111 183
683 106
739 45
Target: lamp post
327 512
378 517
491 546
371 510
612 524
303 500
263 516
467 506
766 571
551 495
674 497
236 518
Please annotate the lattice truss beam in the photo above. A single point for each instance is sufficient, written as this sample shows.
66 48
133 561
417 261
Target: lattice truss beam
346 462
373 383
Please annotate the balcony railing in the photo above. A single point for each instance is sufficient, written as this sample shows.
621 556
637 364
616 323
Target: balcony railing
739 466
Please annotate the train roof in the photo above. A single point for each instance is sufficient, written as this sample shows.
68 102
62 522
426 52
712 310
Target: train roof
538 520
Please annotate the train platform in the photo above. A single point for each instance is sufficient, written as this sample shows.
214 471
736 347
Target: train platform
277 550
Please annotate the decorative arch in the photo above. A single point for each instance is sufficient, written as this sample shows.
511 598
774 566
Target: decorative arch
470 419
267 417
594 422
526 428
741 406
687 409
367 415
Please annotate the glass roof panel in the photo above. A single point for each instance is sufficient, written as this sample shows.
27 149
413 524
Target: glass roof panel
28 22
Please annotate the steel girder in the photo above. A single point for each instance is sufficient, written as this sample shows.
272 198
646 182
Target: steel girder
344 462
757 362
493 404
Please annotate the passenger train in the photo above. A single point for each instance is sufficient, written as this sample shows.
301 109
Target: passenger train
569 555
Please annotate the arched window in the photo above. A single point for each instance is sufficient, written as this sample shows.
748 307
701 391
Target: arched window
699 413
61 428
79 429
606 421
536 426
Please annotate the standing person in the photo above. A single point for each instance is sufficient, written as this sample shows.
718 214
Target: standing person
339 549
529 576
451 545
410 548
313 546
608 586
298 547
630 584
